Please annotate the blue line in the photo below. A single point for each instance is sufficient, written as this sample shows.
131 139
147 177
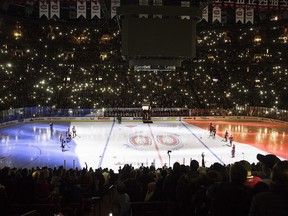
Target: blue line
103 153
202 143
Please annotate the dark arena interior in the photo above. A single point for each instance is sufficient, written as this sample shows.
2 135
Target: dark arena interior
143 107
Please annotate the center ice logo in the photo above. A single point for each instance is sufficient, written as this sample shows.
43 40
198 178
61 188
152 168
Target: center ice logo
169 140
140 140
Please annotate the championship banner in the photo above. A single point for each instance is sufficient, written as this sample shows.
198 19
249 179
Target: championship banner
143 2
157 3
114 5
249 15
95 9
43 8
55 8
185 4
216 14
239 13
205 13
81 8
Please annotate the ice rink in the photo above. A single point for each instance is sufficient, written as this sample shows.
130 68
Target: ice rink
110 144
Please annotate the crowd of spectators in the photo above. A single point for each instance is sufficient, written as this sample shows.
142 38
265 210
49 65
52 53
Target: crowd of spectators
79 65
236 189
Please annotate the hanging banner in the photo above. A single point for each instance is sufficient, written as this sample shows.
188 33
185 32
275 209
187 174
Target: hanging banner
205 13
114 5
283 5
143 2
249 15
239 13
157 3
228 4
95 9
43 8
216 14
81 8
274 5
185 4
262 4
55 8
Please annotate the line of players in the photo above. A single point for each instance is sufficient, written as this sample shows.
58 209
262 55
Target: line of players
68 137
212 131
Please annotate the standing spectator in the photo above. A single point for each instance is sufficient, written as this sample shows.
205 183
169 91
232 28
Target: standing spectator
169 189
274 202
3 200
188 185
132 186
121 205
267 161
251 180
233 197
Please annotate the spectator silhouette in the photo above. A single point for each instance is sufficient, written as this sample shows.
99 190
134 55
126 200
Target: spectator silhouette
169 189
121 205
233 197
267 161
251 180
273 202
133 188
187 186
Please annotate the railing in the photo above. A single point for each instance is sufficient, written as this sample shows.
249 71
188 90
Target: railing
34 112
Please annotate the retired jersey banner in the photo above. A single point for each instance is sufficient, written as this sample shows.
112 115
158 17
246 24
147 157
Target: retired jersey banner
143 2
81 8
205 13
55 8
43 8
157 3
114 5
249 15
239 14
216 14
185 4
95 9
